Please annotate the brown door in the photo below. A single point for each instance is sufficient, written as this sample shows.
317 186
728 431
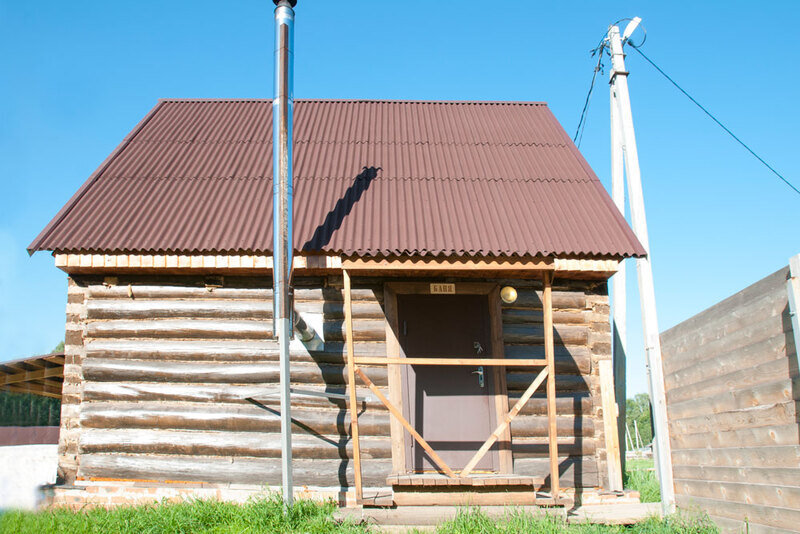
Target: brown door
452 407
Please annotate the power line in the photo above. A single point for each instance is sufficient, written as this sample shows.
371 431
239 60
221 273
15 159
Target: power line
729 132
582 122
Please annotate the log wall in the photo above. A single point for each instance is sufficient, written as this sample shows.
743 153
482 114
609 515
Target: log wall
167 379
732 401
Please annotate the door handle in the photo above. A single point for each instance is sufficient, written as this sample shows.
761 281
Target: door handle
477 346
479 372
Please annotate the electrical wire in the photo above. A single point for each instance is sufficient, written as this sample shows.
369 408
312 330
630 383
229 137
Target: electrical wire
727 130
578 137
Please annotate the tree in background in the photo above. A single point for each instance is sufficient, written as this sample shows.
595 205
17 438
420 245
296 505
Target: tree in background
638 409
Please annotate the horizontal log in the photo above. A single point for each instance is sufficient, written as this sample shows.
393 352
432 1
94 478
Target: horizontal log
196 308
756 514
212 372
757 416
537 426
733 400
763 494
746 378
764 436
528 315
181 328
735 456
566 403
564 383
530 298
534 334
574 471
188 292
223 350
568 359
220 309
540 447
135 291
363 330
770 349
229 417
778 476
218 469
238 444
226 393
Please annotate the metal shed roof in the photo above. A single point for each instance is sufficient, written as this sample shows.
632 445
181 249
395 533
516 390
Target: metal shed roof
371 178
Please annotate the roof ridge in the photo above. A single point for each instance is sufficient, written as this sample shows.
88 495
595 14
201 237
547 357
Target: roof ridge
356 101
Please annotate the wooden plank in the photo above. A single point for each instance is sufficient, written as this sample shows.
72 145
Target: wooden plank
547 302
351 382
734 400
471 498
24 388
765 457
499 362
613 457
775 414
744 492
535 334
778 476
506 460
399 416
745 437
503 426
395 379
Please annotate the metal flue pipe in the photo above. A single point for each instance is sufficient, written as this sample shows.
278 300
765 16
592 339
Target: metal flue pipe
282 105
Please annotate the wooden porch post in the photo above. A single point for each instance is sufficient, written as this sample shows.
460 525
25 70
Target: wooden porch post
549 351
352 403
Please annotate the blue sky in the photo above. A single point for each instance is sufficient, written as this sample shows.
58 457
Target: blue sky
77 76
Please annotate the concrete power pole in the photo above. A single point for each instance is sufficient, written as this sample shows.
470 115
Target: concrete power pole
624 139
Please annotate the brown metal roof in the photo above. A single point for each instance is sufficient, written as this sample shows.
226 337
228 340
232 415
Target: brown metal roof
371 178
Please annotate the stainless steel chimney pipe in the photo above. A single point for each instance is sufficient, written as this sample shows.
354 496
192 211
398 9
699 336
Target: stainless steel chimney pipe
282 105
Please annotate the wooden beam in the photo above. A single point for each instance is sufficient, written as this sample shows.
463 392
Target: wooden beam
351 383
611 430
399 416
549 350
26 376
506 422
378 360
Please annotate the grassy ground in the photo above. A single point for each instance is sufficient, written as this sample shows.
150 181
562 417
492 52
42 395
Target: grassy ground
640 476
267 516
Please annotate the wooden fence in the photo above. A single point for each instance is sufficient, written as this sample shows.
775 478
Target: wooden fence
732 400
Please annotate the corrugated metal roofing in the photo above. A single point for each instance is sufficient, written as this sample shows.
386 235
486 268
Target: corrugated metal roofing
371 178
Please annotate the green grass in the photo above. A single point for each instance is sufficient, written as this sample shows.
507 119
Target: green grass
639 476
199 516
475 521
267 516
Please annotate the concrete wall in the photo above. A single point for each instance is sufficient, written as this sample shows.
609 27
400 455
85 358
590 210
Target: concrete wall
732 402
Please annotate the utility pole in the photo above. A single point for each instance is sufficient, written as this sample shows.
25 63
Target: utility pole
623 137
282 105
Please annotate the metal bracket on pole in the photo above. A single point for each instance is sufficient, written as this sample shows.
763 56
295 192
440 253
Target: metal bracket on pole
624 139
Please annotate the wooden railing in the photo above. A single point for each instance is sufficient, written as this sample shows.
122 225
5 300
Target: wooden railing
548 373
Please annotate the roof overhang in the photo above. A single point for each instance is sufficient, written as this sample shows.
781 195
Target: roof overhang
39 375
314 264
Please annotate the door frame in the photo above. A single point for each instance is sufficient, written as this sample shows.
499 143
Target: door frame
393 350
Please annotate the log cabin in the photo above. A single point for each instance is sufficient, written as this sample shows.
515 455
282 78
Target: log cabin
450 280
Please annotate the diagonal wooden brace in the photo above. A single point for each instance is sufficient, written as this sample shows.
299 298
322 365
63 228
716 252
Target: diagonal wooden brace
395 412
507 420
